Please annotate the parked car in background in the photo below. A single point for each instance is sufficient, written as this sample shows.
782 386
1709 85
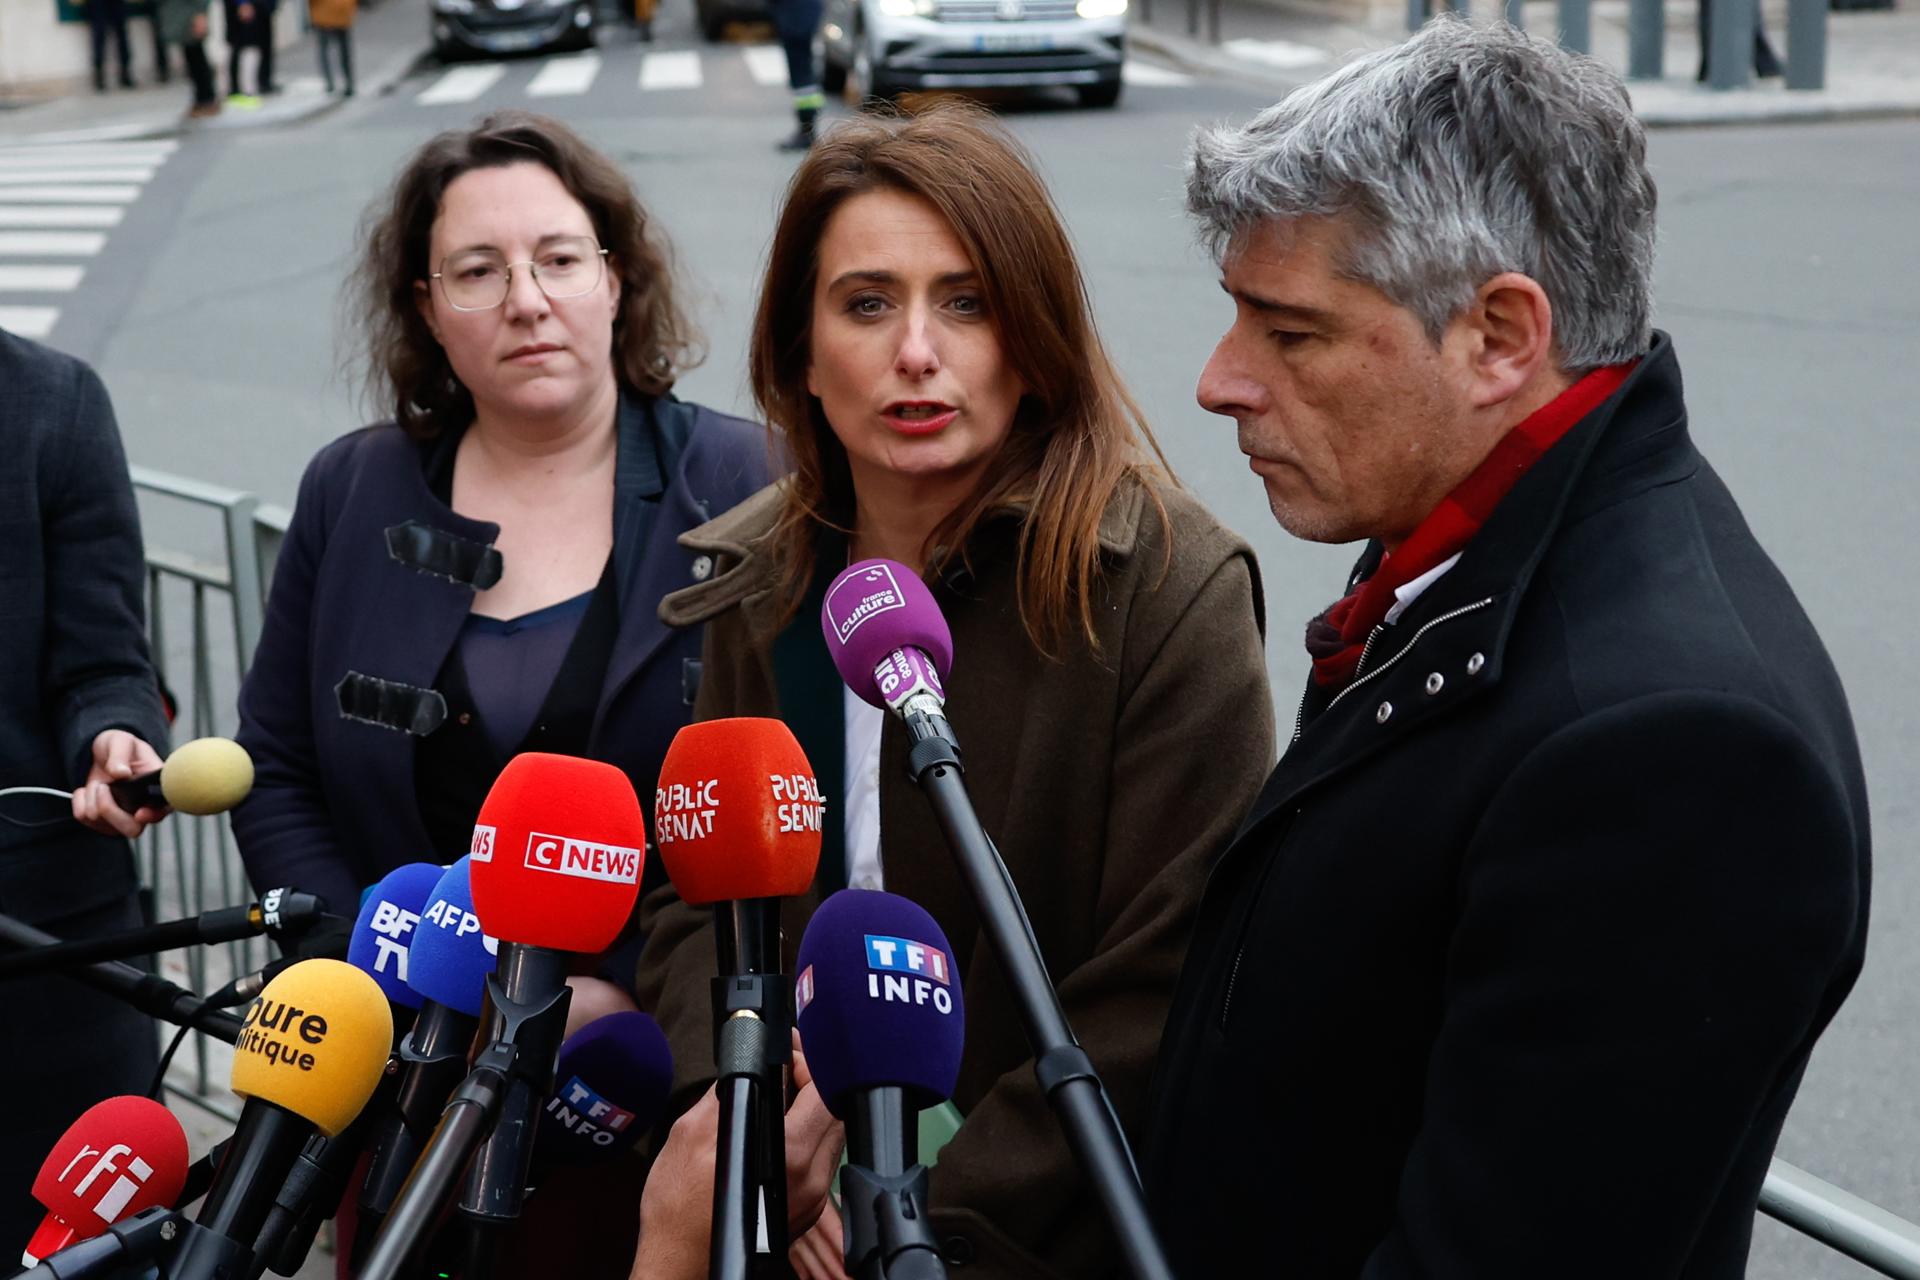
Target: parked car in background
885 47
714 15
465 27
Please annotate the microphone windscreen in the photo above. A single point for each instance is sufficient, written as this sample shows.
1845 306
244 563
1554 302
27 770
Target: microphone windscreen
451 955
874 609
557 852
120 1157
207 775
877 1000
385 928
738 812
610 1088
315 1042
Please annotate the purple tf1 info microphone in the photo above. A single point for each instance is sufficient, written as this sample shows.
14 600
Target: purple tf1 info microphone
877 1001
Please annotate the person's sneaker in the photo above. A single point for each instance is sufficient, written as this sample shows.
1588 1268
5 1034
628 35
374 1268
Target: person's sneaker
243 102
201 110
798 140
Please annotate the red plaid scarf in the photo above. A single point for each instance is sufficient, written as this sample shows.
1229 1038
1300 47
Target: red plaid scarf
1337 637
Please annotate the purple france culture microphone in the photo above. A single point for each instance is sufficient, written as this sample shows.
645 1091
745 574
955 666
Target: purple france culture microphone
877 1001
888 638
610 1088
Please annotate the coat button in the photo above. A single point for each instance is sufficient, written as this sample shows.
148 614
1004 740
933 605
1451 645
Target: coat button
1383 712
958 1250
1476 662
466 717
702 568
1435 682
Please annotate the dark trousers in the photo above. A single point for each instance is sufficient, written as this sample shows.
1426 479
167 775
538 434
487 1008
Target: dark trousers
109 18
200 71
73 1047
241 35
329 38
796 20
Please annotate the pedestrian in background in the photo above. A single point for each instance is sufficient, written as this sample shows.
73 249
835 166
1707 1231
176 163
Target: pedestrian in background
249 26
796 21
109 18
333 31
184 22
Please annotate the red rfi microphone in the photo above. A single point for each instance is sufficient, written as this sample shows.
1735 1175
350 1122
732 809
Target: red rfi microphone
737 815
120 1157
737 820
557 853
555 872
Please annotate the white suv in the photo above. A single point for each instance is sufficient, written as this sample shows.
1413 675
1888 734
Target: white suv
887 46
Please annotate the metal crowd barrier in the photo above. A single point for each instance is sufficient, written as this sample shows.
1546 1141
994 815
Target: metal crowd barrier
190 864
203 620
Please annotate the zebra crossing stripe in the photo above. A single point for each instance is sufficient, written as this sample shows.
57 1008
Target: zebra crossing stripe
461 84
29 322
59 215
21 177
37 279
116 194
561 77
51 244
766 63
679 69
61 156
1151 76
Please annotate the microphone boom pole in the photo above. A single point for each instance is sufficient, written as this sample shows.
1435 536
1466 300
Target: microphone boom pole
147 992
228 924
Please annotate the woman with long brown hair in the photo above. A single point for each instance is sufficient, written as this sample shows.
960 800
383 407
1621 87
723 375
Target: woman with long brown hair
924 347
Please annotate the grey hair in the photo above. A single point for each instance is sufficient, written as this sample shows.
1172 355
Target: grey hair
1470 150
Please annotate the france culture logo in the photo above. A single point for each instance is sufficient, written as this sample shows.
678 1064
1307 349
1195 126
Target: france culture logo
860 596
900 969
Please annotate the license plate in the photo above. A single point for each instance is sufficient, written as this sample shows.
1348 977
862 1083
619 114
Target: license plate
1011 43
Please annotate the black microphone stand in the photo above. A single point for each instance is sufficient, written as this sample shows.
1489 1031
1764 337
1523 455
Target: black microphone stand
883 1191
151 1241
752 1049
1067 1078
147 992
228 924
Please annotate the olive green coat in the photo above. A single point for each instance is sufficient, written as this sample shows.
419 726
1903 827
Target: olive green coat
1110 784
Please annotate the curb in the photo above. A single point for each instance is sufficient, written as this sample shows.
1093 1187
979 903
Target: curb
1676 105
176 124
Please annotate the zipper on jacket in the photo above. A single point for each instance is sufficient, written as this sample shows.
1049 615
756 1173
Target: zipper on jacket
1300 716
1402 652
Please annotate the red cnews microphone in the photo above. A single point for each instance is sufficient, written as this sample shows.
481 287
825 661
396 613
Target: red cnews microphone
737 818
121 1156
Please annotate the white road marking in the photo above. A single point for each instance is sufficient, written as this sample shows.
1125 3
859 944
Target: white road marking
20 177
40 279
462 84
1147 75
51 244
1277 53
562 77
105 194
676 70
59 215
29 322
766 63
45 154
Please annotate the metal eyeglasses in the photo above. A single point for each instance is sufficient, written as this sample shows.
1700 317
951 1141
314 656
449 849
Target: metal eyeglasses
480 279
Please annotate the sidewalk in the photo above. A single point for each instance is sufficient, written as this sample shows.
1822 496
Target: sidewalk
387 40
1873 57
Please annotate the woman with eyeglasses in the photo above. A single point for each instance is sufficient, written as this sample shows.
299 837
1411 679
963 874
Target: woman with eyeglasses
480 574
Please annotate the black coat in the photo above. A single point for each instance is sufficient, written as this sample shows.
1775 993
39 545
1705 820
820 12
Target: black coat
1516 963
73 646
334 805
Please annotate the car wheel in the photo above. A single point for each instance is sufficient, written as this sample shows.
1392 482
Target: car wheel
1104 94
867 85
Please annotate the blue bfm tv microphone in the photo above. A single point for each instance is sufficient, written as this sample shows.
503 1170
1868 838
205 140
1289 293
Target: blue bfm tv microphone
878 1005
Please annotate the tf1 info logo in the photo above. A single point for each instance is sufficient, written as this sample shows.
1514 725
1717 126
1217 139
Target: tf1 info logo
908 972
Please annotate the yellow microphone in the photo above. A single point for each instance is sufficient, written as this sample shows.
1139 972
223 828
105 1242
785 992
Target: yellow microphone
204 776
311 1049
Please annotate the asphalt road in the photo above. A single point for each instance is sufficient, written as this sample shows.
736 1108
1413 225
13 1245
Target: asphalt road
1786 276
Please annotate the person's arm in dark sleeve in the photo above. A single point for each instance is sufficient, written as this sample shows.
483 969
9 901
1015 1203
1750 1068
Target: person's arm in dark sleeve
1194 742
1656 914
284 829
99 674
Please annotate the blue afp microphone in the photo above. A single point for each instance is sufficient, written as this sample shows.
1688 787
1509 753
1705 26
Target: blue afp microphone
611 1087
447 967
877 1001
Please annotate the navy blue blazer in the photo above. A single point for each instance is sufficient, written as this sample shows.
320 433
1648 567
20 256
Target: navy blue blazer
334 805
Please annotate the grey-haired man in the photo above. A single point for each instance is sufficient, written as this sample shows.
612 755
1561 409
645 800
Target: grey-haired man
1518 960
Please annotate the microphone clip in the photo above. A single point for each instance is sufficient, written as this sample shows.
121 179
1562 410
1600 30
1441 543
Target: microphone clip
889 1236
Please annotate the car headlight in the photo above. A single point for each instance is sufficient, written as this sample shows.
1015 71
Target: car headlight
1100 8
909 8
